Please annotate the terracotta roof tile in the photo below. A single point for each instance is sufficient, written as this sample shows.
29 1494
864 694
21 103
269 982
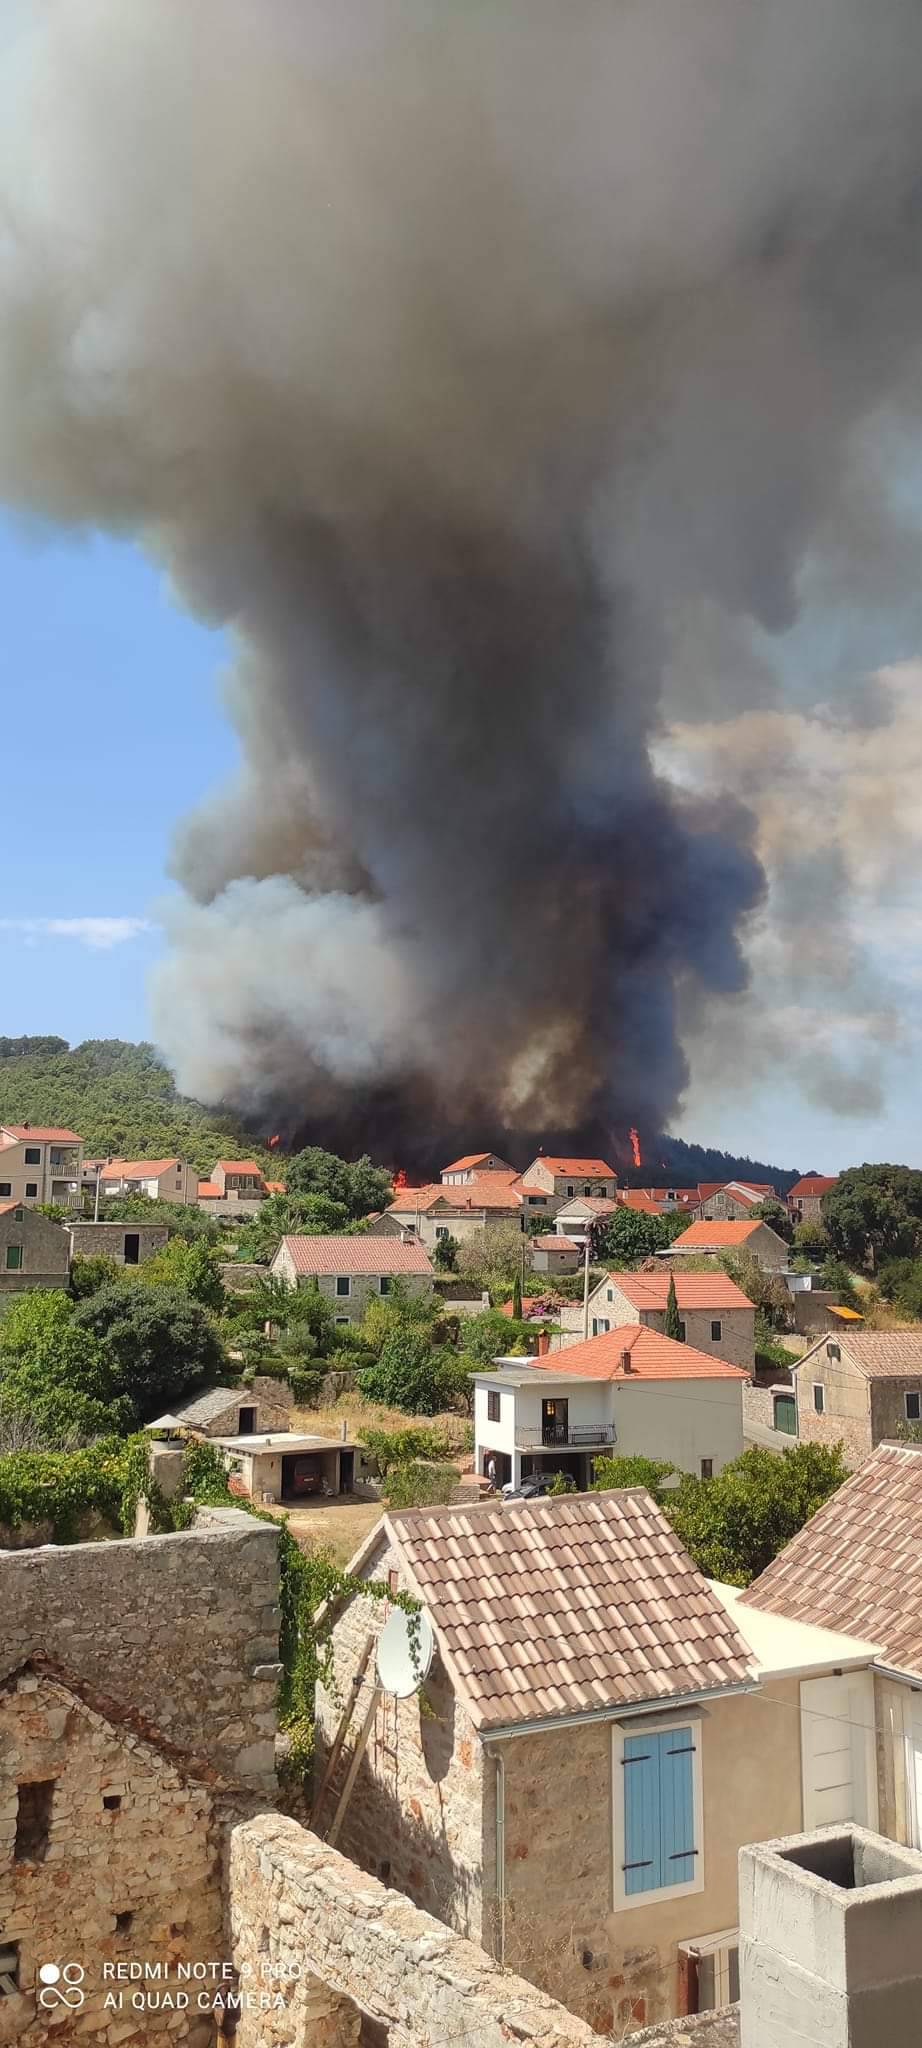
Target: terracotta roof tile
486 1191
592 1169
564 1605
693 1290
209 1187
472 1159
857 1565
45 1134
355 1255
653 1357
550 1243
136 1169
878 1354
239 1166
813 1184
703 1234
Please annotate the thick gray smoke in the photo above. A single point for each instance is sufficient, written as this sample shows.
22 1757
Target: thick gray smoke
455 357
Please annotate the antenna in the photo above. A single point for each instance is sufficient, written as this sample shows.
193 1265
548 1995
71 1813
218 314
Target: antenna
404 1653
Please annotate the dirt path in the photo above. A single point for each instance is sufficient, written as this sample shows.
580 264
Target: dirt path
338 1525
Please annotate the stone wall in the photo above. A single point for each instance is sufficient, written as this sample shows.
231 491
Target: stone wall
847 1415
320 1944
107 1240
117 1856
415 1815
183 1627
44 1249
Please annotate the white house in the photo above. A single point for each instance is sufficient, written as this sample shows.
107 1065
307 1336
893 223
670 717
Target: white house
162 1180
631 1392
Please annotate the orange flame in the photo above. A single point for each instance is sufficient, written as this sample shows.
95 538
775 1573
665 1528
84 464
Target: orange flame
274 1141
400 1179
635 1147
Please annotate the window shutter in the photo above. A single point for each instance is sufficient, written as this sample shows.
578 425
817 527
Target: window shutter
677 1805
642 1831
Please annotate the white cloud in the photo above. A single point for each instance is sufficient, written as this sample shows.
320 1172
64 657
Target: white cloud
99 933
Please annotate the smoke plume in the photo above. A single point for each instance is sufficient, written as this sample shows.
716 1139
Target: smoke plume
467 363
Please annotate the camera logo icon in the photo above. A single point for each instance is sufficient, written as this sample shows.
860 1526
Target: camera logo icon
61 1985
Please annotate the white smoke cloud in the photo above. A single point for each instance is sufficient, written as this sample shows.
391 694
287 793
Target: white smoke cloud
100 934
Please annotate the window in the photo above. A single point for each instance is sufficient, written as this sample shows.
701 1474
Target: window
32 1155
717 1330
384 1283
492 1407
600 1326
610 1294
123 1923
33 1820
246 1421
14 1258
9 1967
441 1230
713 1975
343 1284
570 1188
32 1188
587 1190
832 1351
657 1824
819 1398
341 1319
6 1187
707 1468
111 1801
912 1404
537 1201
682 1332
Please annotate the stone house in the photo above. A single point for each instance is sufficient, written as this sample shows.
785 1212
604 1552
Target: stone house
566 1177
805 1199
161 1180
472 1165
352 1271
857 1566
556 1254
129 1244
110 1849
859 1387
40 1163
225 1412
628 1392
462 1211
235 1187
734 1202
717 1317
572 1788
34 1252
574 1219
703 1240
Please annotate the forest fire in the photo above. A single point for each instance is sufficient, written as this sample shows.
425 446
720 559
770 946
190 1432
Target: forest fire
635 1147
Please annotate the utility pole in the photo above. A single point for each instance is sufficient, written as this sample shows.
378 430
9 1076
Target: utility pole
586 1283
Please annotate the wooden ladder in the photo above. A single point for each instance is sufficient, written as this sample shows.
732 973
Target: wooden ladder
345 1720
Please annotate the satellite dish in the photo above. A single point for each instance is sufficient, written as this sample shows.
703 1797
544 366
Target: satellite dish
405 1649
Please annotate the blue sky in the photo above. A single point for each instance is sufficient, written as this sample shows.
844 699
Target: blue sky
111 731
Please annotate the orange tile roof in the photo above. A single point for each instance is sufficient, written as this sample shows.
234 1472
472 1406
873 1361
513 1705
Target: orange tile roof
633 1198
857 1564
355 1255
813 1184
719 1233
136 1169
482 1193
209 1187
653 1357
238 1166
17 1203
550 1243
693 1290
473 1159
598 1205
555 1607
590 1168
707 1188
44 1133
276 1187
533 1301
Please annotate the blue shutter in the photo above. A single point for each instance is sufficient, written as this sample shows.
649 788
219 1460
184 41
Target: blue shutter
659 1810
677 1805
642 1833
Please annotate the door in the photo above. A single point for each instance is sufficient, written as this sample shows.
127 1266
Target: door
132 1247
786 1414
246 1422
838 1750
554 1421
346 1471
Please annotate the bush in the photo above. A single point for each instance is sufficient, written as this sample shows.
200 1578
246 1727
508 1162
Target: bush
88 1275
306 1386
412 1373
636 1471
421 1486
158 1343
391 1447
562 1483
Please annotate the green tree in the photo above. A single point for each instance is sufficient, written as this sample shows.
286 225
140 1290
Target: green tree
634 1471
493 1257
492 1335
812 1237
874 1213
774 1213
358 1185
188 1269
88 1275
517 1300
159 1343
630 1234
673 1326
411 1373
900 1281
734 1524
445 1253
56 1372
835 1276
290 1215
766 1291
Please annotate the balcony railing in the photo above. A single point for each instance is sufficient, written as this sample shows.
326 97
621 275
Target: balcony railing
67 1164
578 1435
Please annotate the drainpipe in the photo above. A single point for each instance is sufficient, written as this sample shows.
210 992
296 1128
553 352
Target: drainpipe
499 1789
586 1286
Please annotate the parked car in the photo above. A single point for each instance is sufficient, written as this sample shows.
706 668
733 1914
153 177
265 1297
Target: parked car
537 1484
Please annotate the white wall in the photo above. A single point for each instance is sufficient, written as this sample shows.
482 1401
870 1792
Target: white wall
680 1420
493 1436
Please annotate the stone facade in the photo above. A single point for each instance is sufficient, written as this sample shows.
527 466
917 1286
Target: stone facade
109 1850
34 1252
363 1287
846 1416
415 1815
183 1627
319 1944
116 1240
736 1342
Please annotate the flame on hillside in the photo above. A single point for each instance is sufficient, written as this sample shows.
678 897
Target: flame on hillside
635 1147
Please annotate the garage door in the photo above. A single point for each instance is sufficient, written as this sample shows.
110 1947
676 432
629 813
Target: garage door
838 1749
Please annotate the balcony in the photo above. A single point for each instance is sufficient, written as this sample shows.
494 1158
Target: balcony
577 1436
65 1164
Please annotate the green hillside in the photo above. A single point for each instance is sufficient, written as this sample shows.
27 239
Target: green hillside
120 1098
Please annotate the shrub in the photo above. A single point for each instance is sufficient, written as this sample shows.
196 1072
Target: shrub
306 1386
412 1373
391 1447
421 1486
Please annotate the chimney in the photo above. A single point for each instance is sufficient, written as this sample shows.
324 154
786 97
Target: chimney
544 1343
830 1944
626 1365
